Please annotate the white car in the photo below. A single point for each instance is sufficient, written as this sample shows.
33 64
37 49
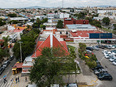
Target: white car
95 48
72 85
112 59
104 51
106 56
114 62
113 47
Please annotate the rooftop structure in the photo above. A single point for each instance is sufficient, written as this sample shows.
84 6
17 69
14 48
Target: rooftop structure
19 18
81 27
50 42
81 33
74 21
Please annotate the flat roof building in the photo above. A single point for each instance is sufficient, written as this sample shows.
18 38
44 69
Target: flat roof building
80 27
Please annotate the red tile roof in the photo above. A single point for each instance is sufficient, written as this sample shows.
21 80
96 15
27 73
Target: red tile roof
18 65
1 40
83 33
46 43
18 29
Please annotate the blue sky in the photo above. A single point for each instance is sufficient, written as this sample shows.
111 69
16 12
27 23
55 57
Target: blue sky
54 3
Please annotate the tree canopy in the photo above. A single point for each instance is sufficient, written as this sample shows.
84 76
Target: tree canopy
114 25
43 26
28 44
2 22
39 22
59 24
106 20
12 15
14 22
48 69
2 53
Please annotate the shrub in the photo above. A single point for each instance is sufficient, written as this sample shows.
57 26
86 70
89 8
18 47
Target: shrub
91 64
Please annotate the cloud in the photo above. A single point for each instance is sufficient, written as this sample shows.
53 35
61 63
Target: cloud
54 3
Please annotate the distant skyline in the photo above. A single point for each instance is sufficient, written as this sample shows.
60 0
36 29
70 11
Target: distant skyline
54 3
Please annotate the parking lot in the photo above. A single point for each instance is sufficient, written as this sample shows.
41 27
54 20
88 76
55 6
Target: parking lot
108 66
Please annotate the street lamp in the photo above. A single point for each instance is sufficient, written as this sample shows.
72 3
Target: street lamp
20 42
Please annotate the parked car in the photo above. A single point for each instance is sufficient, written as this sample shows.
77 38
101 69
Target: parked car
88 51
95 48
11 58
104 76
72 85
104 51
112 58
6 63
97 67
106 55
101 46
113 51
100 70
108 47
89 48
114 46
1 70
114 62
97 63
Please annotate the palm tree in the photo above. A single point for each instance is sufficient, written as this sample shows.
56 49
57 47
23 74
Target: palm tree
6 39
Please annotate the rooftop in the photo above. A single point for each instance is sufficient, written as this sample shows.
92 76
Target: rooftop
51 41
81 26
84 33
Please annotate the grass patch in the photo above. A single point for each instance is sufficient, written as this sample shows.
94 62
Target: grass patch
71 47
108 30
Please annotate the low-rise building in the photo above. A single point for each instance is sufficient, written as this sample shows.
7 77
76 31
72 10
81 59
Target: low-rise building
74 21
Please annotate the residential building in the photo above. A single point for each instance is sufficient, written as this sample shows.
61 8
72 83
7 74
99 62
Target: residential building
73 21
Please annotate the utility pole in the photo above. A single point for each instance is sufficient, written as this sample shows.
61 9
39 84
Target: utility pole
20 50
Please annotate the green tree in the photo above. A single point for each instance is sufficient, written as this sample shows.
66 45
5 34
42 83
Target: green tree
38 21
14 22
106 20
32 20
6 39
2 22
44 20
12 15
50 67
43 26
28 44
55 11
50 11
81 15
114 25
2 54
35 25
95 23
59 24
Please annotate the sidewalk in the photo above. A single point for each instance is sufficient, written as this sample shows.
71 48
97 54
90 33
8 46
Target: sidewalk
21 83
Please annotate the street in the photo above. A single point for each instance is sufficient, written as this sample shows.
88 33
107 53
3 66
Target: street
109 67
8 73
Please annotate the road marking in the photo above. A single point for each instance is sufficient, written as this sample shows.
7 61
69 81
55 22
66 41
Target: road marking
101 59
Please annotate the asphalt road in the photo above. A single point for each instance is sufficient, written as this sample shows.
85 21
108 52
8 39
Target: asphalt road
109 67
8 73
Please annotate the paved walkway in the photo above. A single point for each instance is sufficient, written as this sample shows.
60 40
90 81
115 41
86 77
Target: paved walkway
21 83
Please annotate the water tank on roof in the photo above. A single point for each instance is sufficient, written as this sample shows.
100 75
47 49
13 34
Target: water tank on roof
60 32
74 30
